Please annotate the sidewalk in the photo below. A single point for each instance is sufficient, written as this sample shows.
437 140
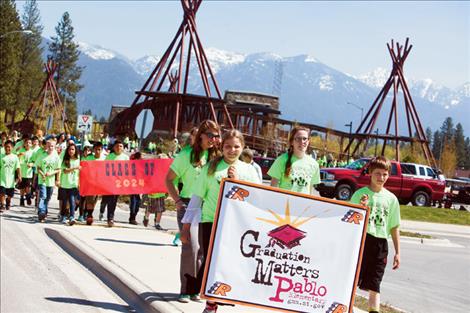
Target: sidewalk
143 258
436 228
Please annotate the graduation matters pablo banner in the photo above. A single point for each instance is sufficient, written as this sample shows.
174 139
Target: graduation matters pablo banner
282 250
123 177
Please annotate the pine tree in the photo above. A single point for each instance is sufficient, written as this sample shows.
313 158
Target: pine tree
436 144
10 46
447 129
64 51
429 134
467 153
31 64
459 139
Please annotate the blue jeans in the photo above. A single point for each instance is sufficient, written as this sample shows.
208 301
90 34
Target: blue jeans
134 206
68 196
45 194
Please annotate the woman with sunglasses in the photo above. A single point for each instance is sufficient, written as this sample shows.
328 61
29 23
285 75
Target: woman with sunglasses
295 170
206 194
186 168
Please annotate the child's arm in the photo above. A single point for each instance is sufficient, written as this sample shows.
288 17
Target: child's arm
395 232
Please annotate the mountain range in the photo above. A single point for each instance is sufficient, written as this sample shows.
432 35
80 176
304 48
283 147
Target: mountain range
311 91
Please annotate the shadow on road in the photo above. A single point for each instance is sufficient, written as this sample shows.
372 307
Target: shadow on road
103 305
154 244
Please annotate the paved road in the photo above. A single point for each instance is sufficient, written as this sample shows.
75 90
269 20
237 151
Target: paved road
38 276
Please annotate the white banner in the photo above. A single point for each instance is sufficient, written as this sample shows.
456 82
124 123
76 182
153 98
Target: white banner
277 249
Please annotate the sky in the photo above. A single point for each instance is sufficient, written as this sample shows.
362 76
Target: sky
350 36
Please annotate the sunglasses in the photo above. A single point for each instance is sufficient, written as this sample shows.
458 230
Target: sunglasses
212 135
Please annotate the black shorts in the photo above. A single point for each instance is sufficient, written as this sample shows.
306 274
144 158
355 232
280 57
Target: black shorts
25 183
373 264
7 191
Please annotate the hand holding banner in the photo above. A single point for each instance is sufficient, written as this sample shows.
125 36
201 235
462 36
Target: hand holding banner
123 177
277 249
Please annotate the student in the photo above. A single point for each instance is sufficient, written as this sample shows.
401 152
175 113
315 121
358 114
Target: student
186 168
134 203
26 163
90 201
48 167
247 157
9 165
295 170
155 205
38 154
68 190
117 155
384 220
206 192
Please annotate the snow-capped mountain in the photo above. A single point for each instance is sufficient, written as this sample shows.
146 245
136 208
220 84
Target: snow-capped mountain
312 92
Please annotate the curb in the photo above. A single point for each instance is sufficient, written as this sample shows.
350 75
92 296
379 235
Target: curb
123 283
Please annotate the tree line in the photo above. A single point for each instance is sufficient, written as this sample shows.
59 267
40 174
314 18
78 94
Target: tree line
449 146
22 71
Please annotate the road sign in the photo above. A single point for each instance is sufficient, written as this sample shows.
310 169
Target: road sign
84 123
144 123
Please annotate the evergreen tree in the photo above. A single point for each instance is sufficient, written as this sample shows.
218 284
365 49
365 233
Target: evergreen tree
467 153
436 144
459 139
429 135
10 47
64 51
447 129
31 64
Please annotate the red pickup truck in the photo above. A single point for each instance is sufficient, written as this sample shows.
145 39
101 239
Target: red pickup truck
342 182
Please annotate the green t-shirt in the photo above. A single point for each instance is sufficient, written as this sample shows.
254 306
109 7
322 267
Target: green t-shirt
304 173
9 163
186 172
25 159
48 164
157 195
207 187
113 157
91 157
384 211
69 180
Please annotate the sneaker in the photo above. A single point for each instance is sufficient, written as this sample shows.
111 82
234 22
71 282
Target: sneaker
133 222
22 202
100 217
158 227
89 220
195 297
81 219
72 221
41 217
110 223
63 220
177 240
183 298
210 308
145 222
28 201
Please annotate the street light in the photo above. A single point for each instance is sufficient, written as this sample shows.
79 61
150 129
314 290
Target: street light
25 31
358 107
350 131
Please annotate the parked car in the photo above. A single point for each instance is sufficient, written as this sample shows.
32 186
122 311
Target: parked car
265 164
343 182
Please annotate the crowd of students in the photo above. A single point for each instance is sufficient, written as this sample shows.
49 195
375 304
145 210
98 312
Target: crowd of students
35 166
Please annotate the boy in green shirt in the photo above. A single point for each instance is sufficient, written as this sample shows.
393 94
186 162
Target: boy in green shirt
90 201
48 167
384 220
26 163
9 164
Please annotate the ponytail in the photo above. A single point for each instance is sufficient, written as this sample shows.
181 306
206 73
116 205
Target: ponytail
289 162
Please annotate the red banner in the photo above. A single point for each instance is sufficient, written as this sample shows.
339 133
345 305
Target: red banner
123 177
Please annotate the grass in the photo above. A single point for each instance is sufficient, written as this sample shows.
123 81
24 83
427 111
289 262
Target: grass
361 303
414 235
435 215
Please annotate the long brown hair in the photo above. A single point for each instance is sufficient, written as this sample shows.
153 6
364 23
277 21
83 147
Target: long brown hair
290 152
67 158
233 133
197 151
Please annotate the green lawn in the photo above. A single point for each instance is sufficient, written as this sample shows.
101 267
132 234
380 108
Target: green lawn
435 215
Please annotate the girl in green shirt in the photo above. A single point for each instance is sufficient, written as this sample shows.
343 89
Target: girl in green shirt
186 168
206 192
68 190
296 170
